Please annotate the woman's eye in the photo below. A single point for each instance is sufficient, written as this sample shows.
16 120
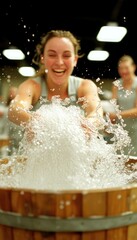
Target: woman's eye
67 56
52 55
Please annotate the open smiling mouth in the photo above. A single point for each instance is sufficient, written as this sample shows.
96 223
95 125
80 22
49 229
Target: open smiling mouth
59 72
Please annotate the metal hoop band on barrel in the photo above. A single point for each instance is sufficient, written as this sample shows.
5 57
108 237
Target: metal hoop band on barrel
55 224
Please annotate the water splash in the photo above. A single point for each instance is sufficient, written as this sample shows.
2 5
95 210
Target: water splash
118 84
56 153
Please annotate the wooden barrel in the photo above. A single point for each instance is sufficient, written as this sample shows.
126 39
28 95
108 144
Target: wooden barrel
101 214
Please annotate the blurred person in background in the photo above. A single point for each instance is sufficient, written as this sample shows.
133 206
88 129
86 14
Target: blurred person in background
124 91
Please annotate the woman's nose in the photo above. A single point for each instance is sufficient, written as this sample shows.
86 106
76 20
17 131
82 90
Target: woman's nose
60 60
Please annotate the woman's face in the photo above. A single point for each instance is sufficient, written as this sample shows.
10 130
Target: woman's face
59 59
126 69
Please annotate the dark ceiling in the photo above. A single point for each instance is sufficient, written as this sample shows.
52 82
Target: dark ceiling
22 24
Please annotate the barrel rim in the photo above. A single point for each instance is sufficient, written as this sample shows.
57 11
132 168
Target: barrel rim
75 191
71 191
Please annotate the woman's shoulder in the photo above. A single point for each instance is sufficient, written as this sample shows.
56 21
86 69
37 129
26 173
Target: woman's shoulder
32 81
31 84
37 79
89 82
73 78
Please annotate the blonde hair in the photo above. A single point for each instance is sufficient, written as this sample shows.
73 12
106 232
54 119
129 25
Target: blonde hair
45 38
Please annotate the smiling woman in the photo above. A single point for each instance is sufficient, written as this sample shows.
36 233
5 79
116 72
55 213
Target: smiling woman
56 55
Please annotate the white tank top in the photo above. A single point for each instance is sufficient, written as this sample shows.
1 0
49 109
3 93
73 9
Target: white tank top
73 84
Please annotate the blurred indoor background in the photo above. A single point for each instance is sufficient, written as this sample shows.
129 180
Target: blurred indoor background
22 24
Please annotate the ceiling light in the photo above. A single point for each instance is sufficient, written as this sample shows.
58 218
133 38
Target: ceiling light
111 33
98 55
27 71
13 54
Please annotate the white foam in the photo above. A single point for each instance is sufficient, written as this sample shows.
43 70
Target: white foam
61 156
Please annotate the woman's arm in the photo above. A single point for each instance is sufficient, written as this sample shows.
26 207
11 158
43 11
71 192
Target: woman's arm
92 104
19 109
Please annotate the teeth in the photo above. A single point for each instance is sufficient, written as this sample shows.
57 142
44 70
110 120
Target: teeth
59 71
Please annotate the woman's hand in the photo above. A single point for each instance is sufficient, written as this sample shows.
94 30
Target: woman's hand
29 133
88 127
